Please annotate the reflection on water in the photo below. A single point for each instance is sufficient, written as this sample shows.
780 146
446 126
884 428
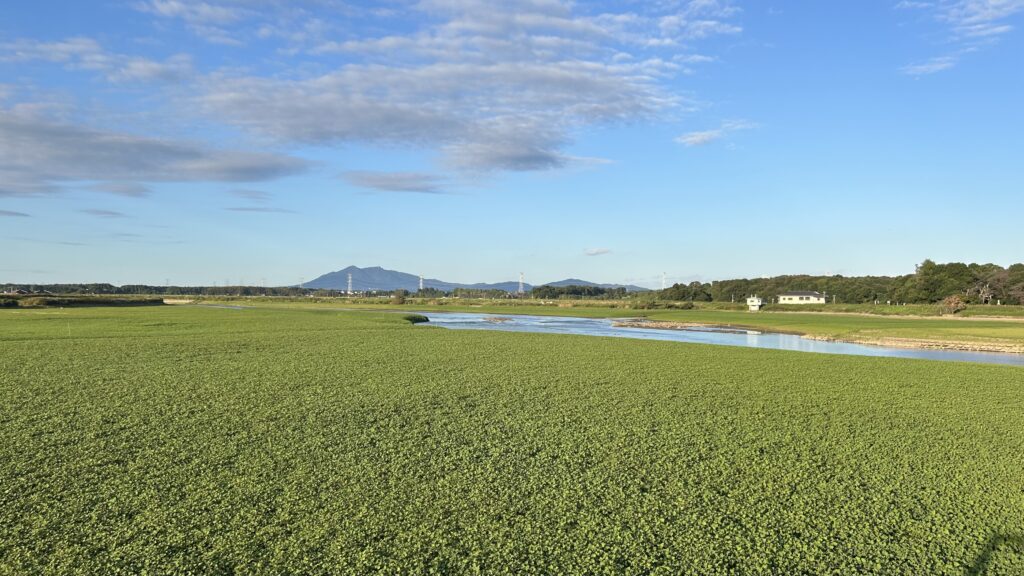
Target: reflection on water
703 335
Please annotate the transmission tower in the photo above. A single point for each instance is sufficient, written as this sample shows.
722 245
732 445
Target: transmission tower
521 291
421 283
663 278
349 282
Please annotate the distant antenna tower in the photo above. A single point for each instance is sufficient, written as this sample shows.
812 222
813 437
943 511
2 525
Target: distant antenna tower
421 283
349 282
521 291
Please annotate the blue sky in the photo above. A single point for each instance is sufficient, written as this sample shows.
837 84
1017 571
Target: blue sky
201 142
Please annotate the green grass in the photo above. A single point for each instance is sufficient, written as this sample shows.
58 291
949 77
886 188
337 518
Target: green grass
179 440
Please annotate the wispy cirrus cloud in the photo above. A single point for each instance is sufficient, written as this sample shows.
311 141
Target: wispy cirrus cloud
84 53
597 251
487 86
702 137
194 12
40 156
14 214
931 66
237 22
971 25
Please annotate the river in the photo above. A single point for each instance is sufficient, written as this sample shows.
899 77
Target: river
702 335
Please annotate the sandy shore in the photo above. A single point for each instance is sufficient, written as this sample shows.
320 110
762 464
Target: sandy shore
892 342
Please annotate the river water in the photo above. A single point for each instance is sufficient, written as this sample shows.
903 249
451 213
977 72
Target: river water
704 335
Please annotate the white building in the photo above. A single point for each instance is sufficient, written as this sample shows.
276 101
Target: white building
754 303
801 297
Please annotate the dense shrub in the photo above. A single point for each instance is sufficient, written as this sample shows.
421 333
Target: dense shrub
952 305
415 318
8 303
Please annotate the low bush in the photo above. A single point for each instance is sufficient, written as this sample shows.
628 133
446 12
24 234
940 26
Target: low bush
952 305
415 318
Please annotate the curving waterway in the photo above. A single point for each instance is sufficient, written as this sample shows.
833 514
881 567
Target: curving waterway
703 335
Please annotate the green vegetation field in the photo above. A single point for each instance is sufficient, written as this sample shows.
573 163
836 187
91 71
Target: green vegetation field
185 440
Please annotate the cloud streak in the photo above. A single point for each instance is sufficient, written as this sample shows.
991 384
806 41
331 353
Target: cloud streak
39 156
81 53
395 181
702 137
103 213
971 24
14 214
597 251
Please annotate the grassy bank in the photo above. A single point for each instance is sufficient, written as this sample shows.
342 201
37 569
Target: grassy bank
33 301
198 440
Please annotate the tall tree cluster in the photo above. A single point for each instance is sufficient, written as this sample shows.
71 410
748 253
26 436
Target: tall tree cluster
930 283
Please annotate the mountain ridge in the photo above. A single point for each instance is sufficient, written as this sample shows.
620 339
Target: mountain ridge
378 278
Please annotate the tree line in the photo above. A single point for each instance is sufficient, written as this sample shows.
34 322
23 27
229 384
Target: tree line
930 283
582 292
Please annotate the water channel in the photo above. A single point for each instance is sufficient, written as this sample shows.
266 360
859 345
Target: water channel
701 335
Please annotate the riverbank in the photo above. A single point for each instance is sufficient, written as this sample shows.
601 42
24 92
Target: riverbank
889 341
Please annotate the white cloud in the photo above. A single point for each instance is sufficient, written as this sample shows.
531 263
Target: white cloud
236 22
489 86
972 24
597 251
931 66
192 12
175 69
702 137
81 53
974 18
912 5
40 156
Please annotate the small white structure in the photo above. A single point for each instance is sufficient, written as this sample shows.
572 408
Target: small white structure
801 297
754 303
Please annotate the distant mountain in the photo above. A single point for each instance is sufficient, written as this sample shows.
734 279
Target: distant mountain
377 278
